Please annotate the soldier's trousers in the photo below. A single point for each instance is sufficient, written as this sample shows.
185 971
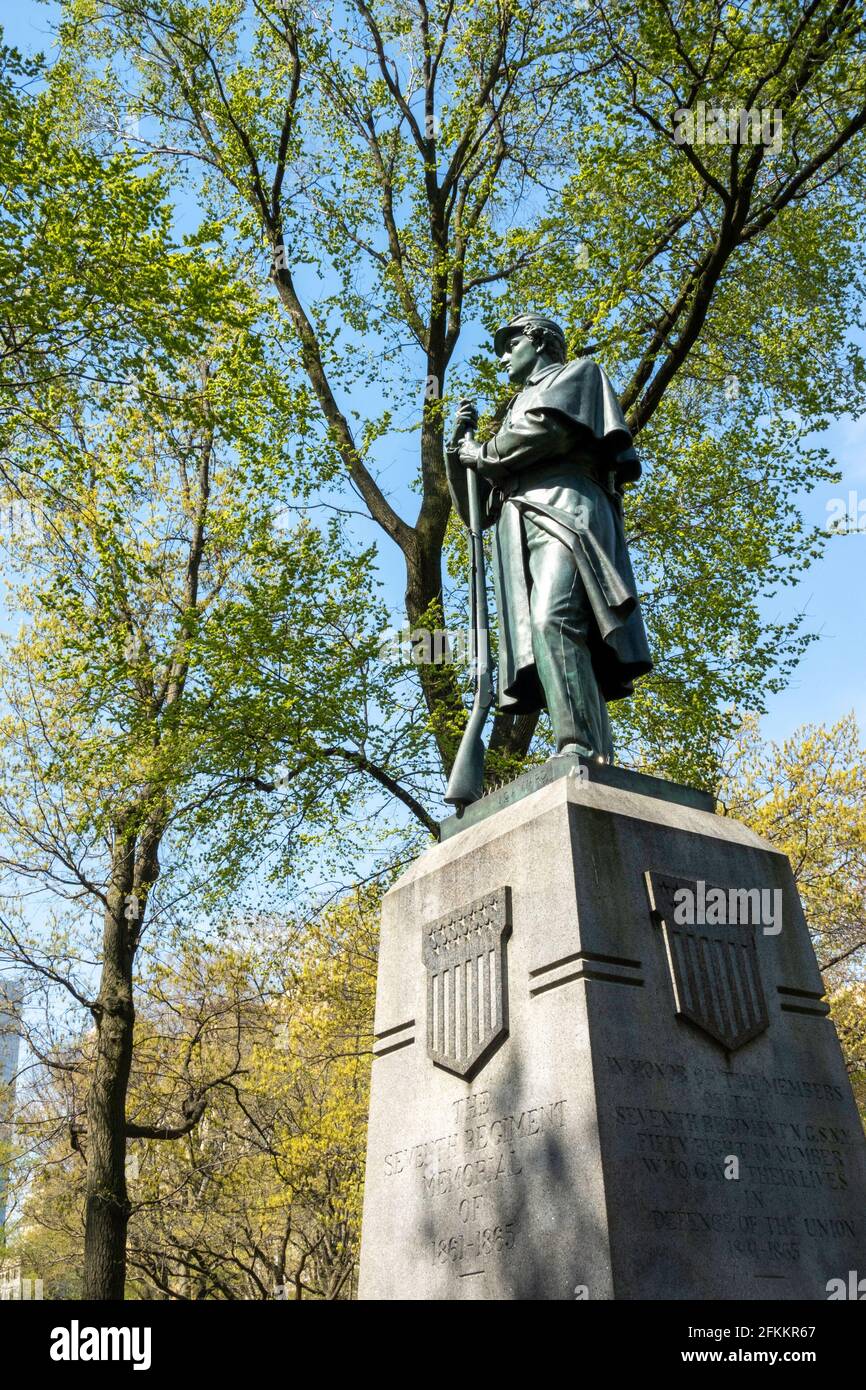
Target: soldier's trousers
561 618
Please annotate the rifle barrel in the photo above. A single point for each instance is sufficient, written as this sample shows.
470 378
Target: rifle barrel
466 783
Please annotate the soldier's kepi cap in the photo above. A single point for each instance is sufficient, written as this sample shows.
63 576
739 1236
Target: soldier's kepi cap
519 325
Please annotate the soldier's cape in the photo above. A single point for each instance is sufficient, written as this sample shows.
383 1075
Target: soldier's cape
561 452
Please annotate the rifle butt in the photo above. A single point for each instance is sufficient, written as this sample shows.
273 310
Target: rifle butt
466 783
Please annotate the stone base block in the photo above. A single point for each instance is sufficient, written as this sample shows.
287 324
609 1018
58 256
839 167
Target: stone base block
577 1095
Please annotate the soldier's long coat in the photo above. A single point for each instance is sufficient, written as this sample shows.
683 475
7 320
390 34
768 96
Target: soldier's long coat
563 446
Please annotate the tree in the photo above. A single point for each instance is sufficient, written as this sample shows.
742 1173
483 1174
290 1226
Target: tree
169 617
849 1016
261 1199
265 1201
807 796
125 701
92 282
415 171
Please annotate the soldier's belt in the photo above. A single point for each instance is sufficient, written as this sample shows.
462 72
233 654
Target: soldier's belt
587 465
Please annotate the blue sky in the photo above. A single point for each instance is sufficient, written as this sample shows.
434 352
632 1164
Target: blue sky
831 679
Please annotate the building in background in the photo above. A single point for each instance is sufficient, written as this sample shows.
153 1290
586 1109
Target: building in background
11 994
14 1287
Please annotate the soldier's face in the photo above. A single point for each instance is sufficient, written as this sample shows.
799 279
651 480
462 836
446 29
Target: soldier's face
519 357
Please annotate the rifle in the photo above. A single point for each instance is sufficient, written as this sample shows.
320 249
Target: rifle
466 783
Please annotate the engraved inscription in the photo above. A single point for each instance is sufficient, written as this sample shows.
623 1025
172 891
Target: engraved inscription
473 1246
792 1154
473 1178
467 988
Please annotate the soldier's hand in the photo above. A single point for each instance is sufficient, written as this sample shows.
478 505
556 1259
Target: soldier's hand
466 418
470 453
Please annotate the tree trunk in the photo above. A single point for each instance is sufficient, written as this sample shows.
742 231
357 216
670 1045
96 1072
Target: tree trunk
106 1201
424 609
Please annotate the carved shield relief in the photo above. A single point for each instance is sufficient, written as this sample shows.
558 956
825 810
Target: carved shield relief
714 968
467 983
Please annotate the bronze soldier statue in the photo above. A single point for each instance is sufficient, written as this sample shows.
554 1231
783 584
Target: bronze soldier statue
571 634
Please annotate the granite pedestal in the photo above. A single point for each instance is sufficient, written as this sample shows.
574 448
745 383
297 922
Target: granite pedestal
575 1094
